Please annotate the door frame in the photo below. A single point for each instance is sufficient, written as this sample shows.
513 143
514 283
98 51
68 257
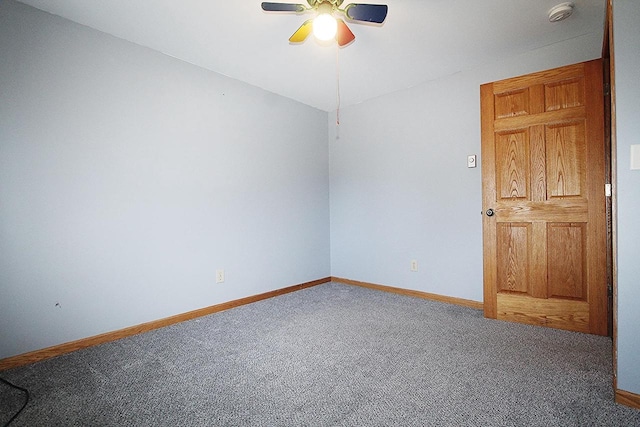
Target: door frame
608 56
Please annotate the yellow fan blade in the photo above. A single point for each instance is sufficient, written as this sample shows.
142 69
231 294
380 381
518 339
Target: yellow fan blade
302 33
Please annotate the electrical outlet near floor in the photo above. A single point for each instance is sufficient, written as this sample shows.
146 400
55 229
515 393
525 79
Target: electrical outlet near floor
414 265
219 276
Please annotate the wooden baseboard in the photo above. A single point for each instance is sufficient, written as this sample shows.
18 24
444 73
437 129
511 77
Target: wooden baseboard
628 399
57 350
408 292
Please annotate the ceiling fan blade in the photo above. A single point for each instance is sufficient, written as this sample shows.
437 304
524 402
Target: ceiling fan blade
344 36
303 32
283 7
366 12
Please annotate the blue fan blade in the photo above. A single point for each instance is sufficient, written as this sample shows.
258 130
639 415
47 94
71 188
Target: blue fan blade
367 12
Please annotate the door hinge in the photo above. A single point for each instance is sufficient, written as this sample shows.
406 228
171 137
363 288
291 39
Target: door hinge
607 190
607 89
610 290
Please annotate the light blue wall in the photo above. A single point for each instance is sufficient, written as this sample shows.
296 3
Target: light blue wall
400 186
128 177
626 39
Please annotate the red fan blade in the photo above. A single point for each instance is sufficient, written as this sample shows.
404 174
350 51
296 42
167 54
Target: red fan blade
344 36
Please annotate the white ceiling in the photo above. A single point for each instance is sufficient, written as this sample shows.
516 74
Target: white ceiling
421 40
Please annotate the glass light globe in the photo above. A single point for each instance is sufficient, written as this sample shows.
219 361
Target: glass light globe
325 27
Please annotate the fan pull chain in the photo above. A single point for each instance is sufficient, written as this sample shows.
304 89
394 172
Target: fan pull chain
337 86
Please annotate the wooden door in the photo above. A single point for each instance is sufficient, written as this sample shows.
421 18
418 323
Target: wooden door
543 177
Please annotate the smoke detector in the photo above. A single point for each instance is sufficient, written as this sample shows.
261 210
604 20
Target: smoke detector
561 12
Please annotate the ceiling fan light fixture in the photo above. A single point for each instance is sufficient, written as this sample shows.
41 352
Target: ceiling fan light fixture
325 27
561 12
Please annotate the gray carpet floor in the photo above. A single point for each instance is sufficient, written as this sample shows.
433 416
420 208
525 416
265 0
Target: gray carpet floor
331 355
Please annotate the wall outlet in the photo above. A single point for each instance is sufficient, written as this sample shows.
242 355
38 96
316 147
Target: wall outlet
414 265
219 276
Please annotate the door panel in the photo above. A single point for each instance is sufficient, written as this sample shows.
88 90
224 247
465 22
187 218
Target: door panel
566 260
512 152
543 177
513 253
566 163
564 94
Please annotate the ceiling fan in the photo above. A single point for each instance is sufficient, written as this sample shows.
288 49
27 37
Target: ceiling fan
324 25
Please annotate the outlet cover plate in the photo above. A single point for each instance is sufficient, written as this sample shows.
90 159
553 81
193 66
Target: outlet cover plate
219 276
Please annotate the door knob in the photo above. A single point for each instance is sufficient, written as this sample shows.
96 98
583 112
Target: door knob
490 212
